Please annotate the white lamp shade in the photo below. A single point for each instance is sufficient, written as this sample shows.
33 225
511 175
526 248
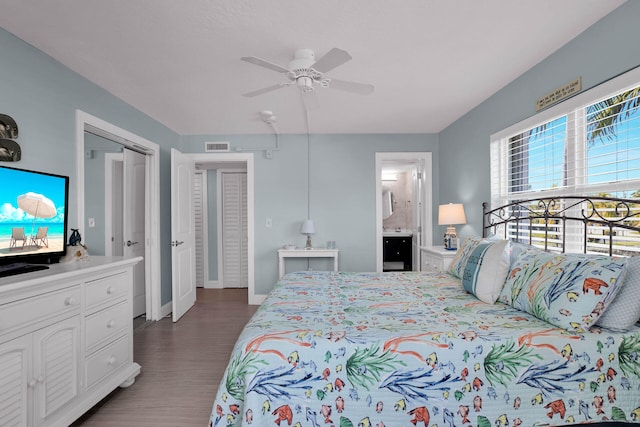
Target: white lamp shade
452 213
308 227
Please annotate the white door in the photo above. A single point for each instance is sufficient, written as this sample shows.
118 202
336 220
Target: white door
183 242
134 223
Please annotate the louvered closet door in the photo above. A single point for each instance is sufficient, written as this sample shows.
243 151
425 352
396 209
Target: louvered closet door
234 229
198 210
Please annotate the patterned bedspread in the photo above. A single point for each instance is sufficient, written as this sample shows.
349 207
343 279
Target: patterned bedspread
394 349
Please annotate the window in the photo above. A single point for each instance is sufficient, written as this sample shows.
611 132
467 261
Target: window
588 145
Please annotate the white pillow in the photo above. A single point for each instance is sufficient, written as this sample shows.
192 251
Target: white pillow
624 310
485 270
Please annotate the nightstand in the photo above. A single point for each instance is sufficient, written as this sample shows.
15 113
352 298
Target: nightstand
435 258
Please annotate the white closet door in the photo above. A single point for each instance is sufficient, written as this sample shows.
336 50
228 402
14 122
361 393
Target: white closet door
234 229
199 213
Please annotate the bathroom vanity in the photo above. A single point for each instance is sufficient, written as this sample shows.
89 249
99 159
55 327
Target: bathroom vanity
397 250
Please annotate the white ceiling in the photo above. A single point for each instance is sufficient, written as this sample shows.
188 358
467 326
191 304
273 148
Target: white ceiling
431 61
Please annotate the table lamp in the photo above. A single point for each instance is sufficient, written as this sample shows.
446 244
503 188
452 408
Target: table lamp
308 228
450 214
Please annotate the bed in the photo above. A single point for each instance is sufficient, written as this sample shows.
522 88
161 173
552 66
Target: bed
425 348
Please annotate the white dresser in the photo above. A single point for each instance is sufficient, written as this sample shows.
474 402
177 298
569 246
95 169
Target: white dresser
66 340
435 258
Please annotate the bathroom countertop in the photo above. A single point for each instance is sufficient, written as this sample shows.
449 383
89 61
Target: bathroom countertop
394 233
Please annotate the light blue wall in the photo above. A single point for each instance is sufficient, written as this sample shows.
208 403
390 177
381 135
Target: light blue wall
342 193
606 49
42 96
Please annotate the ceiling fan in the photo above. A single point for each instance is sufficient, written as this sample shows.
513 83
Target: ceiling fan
306 73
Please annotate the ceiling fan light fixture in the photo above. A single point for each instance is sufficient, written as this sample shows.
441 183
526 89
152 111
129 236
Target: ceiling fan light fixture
305 83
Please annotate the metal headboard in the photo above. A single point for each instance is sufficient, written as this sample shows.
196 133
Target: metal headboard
548 222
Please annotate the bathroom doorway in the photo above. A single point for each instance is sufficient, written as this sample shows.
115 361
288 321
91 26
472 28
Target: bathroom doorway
403 205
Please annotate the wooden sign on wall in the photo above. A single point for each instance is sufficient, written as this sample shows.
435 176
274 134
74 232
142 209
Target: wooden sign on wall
561 93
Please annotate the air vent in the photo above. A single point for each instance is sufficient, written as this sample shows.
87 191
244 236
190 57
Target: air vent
216 147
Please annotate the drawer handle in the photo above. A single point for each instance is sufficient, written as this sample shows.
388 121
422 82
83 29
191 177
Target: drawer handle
32 383
110 290
68 301
111 360
111 323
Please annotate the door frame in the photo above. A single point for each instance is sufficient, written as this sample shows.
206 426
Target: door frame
218 159
424 211
153 279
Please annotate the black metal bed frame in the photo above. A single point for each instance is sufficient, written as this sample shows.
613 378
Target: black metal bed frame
553 214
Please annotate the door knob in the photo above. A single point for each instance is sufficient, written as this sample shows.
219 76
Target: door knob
176 243
130 243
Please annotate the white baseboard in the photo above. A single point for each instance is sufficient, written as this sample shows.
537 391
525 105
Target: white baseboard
256 299
213 284
166 310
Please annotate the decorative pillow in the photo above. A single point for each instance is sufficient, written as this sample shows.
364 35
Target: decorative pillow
486 268
567 290
462 255
624 310
516 249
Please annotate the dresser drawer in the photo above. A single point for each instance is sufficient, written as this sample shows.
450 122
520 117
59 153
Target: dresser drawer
107 360
106 324
105 290
35 309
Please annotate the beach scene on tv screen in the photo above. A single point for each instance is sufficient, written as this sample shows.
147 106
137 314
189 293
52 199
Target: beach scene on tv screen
31 213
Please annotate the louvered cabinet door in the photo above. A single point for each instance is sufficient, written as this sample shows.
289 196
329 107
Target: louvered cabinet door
56 367
15 366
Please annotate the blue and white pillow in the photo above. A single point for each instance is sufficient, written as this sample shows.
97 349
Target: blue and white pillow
482 265
486 270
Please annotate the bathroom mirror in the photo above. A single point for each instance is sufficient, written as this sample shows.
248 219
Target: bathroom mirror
387 203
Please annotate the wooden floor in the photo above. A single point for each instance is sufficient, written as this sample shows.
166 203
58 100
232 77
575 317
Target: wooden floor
182 365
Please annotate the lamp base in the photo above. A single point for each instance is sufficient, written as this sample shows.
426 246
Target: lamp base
308 245
451 239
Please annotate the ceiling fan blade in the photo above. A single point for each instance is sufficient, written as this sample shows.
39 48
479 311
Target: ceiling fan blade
310 100
331 60
264 90
264 63
353 87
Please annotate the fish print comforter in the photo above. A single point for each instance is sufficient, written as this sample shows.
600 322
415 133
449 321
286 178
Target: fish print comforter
394 349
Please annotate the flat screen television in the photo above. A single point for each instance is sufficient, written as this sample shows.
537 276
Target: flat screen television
33 219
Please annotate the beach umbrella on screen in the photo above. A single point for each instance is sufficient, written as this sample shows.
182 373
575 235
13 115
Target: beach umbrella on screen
37 205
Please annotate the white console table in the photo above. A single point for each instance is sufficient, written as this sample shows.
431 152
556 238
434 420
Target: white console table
283 254
66 339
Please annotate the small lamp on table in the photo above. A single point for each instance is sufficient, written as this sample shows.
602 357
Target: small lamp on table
308 228
450 214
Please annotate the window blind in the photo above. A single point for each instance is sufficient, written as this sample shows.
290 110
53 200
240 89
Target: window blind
586 146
